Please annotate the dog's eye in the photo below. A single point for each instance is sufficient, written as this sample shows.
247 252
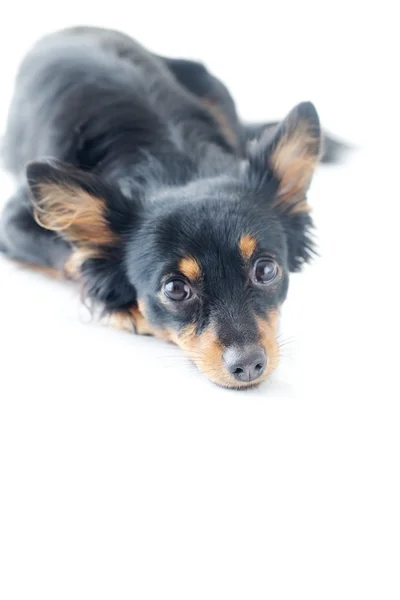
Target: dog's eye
177 289
265 270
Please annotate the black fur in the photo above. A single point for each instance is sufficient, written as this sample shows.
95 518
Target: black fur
106 116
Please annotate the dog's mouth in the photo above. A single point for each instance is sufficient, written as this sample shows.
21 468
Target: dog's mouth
234 367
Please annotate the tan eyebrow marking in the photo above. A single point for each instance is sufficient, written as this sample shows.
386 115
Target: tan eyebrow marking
190 268
247 245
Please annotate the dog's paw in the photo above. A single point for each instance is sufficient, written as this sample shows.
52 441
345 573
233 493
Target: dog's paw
130 320
123 320
133 320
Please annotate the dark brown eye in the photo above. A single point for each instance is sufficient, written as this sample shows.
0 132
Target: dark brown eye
177 289
265 270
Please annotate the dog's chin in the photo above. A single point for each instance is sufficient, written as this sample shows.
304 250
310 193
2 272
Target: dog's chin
251 385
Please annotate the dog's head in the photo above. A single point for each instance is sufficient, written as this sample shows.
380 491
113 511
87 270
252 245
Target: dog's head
206 263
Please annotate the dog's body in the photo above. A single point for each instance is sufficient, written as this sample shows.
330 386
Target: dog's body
155 200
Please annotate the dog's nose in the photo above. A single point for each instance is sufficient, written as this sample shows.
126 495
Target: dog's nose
245 364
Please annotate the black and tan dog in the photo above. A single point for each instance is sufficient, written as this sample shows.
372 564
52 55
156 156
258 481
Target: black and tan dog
136 177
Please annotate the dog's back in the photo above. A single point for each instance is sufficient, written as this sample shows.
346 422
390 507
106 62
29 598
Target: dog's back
78 87
96 100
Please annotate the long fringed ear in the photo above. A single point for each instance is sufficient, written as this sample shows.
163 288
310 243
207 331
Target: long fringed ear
92 216
77 205
290 153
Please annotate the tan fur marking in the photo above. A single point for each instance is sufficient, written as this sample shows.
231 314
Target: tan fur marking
73 211
268 331
222 121
72 266
122 320
300 207
247 245
133 320
206 352
294 161
190 268
142 307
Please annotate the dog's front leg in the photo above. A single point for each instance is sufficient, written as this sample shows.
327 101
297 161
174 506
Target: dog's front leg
133 320
130 320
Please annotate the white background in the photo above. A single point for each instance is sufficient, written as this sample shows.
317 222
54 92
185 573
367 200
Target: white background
123 472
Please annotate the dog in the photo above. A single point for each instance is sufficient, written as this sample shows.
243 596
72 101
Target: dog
137 179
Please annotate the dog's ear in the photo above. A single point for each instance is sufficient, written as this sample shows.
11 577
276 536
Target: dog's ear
93 217
79 206
289 153
284 159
